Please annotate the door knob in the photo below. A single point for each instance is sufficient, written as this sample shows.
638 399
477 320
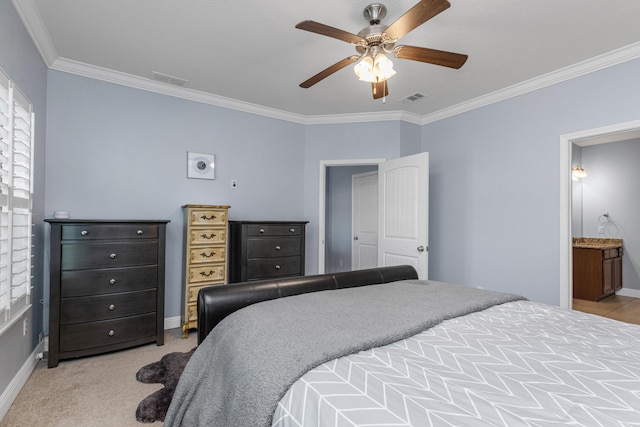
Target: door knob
420 248
355 237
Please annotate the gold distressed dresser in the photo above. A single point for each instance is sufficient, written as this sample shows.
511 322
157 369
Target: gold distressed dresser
205 256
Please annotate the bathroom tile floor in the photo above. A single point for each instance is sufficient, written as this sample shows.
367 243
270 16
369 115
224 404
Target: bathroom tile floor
625 309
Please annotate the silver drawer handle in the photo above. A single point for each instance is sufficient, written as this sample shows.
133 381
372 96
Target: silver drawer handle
262 230
112 281
292 230
112 307
277 248
139 232
277 267
84 232
112 333
113 256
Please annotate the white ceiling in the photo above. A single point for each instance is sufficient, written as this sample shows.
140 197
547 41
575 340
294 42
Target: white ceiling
248 55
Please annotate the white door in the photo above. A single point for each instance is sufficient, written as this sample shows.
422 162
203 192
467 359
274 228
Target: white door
403 209
364 245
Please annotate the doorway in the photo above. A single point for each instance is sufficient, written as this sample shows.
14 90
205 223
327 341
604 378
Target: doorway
619 132
402 211
325 168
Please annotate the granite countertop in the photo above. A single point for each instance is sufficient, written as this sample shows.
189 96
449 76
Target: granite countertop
596 243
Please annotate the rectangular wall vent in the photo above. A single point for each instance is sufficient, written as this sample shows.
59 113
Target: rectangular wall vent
165 78
414 97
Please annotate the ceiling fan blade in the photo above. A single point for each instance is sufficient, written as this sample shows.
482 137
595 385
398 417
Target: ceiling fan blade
431 56
416 16
379 89
328 71
325 30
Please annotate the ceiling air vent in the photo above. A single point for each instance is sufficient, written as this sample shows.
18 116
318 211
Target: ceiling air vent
171 80
414 97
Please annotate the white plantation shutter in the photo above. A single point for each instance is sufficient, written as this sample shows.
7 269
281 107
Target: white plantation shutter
16 190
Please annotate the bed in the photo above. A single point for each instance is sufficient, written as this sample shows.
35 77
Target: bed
379 347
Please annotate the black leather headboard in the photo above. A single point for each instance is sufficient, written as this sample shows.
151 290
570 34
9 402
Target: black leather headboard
218 301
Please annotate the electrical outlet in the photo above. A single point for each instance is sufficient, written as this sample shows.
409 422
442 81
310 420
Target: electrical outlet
234 183
601 229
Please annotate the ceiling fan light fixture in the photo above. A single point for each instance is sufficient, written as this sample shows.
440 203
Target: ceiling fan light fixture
383 67
374 69
364 69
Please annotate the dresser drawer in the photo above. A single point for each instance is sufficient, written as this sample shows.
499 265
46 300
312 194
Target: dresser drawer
274 229
208 217
273 247
273 267
208 236
75 283
109 231
103 307
207 254
192 292
191 314
106 332
207 273
101 255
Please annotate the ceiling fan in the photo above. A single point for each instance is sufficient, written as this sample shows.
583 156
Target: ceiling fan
377 40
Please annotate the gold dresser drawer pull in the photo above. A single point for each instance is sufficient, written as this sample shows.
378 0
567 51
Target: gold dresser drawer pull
208 236
209 255
208 218
209 274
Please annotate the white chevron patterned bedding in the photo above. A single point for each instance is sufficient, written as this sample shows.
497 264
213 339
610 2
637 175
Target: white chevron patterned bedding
515 364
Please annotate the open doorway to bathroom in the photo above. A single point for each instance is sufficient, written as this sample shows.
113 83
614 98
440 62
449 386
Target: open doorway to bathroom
602 207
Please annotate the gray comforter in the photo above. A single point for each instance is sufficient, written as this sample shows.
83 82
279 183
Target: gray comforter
243 368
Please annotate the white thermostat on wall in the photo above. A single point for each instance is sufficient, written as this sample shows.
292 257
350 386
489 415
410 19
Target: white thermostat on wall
200 166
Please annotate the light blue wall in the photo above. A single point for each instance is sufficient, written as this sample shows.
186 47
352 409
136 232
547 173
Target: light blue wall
20 59
612 186
118 152
494 181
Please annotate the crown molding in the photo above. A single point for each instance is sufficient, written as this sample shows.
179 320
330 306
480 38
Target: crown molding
32 20
30 16
591 65
111 76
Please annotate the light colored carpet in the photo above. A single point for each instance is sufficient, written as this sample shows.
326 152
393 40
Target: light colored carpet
91 391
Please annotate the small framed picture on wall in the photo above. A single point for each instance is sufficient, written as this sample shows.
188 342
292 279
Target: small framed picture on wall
201 166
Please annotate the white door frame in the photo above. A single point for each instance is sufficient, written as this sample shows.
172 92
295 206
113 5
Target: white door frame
324 164
617 132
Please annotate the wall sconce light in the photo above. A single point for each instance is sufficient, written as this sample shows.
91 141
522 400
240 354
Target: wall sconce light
577 173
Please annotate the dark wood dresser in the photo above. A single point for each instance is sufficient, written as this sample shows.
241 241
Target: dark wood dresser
266 249
107 286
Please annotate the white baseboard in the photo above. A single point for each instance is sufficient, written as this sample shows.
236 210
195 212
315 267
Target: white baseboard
172 322
20 379
16 384
626 292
